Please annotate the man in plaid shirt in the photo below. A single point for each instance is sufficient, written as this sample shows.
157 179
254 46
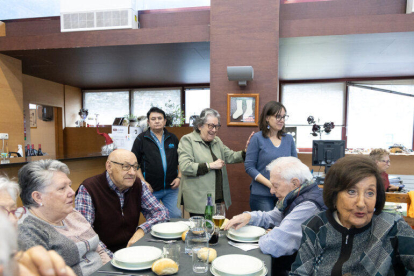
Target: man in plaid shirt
112 203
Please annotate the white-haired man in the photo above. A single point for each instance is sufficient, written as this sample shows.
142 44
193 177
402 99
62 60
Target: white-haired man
299 199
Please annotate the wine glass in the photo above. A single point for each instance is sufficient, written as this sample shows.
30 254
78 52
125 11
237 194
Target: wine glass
219 216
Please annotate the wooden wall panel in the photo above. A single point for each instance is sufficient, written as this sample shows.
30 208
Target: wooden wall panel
2 29
73 102
82 141
11 101
242 33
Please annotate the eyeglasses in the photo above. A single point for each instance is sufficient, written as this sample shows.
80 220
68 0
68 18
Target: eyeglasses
211 126
279 118
126 166
386 161
18 213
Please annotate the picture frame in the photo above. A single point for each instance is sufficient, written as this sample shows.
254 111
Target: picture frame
242 109
33 118
118 121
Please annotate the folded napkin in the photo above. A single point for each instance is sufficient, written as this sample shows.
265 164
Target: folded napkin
244 246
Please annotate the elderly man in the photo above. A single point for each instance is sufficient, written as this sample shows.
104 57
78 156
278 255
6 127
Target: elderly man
112 202
299 199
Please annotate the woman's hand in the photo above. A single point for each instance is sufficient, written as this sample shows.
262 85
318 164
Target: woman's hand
217 165
248 141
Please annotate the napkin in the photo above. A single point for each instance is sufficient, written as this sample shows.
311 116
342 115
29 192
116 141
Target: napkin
244 246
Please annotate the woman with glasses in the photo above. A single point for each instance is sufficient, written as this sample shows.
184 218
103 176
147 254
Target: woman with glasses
202 157
270 143
382 159
9 191
51 220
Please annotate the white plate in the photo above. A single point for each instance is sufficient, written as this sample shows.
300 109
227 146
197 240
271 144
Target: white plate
237 264
137 256
263 272
115 264
247 232
165 237
239 240
169 229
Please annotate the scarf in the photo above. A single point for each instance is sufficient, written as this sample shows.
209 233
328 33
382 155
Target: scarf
282 204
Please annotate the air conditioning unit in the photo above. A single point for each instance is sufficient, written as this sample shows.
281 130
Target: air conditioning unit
410 6
81 15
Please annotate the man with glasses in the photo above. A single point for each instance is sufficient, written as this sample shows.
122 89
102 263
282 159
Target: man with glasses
112 202
156 152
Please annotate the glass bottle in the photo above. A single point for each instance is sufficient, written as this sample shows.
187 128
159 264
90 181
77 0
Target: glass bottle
39 152
209 211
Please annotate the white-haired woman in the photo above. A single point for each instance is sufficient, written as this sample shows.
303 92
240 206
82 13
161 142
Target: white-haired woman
202 157
299 199
9 191
51 220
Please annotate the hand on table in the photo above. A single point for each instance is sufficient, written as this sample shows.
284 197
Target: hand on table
217 165
175 184
137 236
37 261
238 221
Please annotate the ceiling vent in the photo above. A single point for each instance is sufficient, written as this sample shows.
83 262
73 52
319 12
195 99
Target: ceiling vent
103 15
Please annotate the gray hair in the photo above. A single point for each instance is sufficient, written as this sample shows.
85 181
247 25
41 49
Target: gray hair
202 119
8 245
35 176
291 167
9 185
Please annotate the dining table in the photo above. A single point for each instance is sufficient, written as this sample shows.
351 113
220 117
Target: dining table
185 263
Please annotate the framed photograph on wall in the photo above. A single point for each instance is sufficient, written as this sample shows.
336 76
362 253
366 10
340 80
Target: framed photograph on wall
33 118
242 109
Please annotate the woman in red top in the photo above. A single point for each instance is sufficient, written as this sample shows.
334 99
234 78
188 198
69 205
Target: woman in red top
382 159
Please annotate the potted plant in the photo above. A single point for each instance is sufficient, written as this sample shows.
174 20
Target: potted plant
132 120
173 114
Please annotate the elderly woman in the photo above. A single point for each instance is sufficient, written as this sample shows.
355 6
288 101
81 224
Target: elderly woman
354 236
269 143
202 157
382 158
51 220
34 261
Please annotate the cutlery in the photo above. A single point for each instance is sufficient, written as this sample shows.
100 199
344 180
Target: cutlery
154 240
120 273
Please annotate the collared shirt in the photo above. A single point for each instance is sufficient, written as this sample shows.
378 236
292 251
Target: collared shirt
153 211
160 145
284 238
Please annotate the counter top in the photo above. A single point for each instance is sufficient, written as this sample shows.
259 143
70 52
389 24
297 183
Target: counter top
23 160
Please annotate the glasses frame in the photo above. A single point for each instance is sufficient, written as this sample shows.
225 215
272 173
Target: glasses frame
126 167
212 126
386 161
284 118
20 209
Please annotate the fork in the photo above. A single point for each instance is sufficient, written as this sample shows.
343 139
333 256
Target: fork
154 240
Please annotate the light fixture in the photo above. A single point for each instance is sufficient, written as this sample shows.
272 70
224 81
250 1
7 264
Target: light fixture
241 74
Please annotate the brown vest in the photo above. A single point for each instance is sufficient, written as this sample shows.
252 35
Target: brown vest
114 226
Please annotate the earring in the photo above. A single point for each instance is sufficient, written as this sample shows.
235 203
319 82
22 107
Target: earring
268 127
41 204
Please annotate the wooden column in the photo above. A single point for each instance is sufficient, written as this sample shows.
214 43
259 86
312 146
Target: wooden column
242 33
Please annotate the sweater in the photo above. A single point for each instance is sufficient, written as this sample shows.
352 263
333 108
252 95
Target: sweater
75 241
123 222
260 153
383 247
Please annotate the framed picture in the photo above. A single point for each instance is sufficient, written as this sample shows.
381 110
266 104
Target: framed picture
242 109
118 121
33 118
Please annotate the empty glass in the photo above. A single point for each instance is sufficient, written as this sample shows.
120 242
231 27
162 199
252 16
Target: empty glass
172 251
200 261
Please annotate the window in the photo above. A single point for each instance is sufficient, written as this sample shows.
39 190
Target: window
108 105
143 99
380 119
195 101
323 101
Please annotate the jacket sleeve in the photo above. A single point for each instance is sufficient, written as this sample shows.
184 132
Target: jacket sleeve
136 149
186 159
405 238
230 156
252 156
305 259
30 236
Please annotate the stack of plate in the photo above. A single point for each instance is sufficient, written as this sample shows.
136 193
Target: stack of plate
168 230
237 265
246 234
136 257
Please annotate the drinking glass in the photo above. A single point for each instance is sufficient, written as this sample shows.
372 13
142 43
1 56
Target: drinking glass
200 262
219 216
172 251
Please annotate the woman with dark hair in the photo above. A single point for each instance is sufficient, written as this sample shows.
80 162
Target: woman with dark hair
269 143
354 236
202 157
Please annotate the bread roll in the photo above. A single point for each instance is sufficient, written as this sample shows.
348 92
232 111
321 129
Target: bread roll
164 266
202 254
184 235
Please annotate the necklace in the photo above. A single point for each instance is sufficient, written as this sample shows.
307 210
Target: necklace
44 219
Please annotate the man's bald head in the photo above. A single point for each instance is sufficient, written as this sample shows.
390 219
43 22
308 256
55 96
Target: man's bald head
117 160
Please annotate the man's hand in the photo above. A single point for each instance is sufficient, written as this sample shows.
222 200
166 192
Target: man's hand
175 184
137 236
38 261
149 187
239 221
248 141
217 165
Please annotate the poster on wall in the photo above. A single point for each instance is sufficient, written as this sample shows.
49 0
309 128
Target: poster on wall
242 109
33 118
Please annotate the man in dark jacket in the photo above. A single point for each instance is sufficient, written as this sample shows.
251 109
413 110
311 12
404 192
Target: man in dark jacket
156 152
